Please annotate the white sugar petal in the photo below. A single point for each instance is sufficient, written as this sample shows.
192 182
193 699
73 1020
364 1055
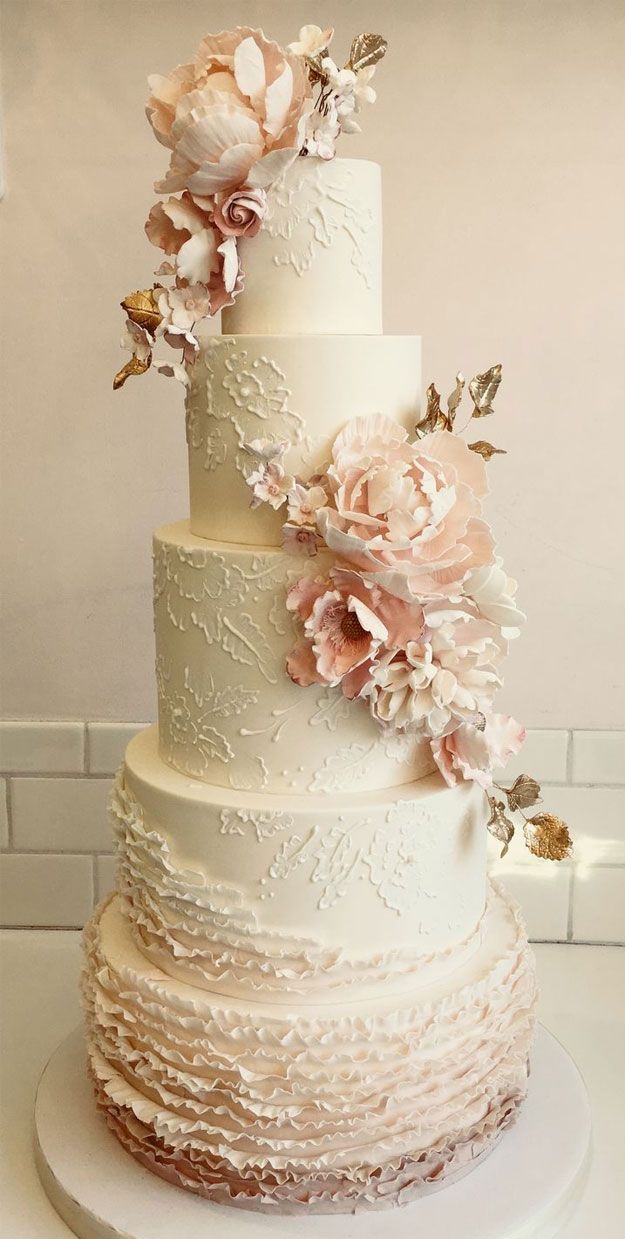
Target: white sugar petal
278 99
249 69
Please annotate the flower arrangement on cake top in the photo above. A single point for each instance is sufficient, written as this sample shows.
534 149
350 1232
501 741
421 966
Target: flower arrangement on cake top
234 120
415 616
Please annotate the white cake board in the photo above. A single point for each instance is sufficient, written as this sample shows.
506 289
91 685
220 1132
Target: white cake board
526 1189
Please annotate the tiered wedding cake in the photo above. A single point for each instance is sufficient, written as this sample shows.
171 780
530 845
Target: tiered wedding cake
305 993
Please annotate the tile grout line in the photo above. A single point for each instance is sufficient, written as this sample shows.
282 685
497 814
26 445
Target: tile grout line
78 775
569 922
86 756
9 807
569 756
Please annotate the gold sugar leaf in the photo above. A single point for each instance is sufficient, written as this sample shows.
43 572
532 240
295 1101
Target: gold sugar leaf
498 824
485 449
142 309
454 399
366 50
525 792
548 836
433 418
316 73
483 389
132 367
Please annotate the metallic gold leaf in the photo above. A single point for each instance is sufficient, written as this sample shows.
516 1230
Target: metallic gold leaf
525 792
142 309
366 50
316 73
132 367
498 824
485 449
483 389
548 836
454 399
433 418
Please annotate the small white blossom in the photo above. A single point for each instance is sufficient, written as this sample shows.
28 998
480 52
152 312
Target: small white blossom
269 484
312 39
304 503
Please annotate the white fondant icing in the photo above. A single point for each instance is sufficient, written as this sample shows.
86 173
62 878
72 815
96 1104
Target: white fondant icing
243 895
228 711
316 264
300 390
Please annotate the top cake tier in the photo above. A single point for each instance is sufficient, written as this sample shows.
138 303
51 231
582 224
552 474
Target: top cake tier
316 265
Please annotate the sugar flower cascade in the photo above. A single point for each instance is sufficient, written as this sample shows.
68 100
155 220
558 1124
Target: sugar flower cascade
415 616
233 120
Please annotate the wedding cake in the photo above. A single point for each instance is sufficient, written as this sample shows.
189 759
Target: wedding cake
305 993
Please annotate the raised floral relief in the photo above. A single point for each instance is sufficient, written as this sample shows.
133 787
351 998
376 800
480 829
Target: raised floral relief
390 858
235 399
263 824
309 212
190 599
190 734
235 120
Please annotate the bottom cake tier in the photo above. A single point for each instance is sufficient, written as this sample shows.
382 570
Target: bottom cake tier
334 1108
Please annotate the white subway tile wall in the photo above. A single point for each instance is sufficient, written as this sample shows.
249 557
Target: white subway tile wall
56 846
599 757
106 744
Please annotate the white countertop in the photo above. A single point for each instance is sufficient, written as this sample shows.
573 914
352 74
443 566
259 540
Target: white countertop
583 1003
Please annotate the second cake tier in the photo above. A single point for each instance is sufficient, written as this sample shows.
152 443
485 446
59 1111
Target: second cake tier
247 893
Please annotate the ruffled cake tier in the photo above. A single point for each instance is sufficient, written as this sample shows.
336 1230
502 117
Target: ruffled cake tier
332 1107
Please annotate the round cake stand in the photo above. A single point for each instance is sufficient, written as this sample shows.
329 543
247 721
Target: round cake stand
526 1189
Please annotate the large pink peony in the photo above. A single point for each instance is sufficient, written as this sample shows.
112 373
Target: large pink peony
445 673
406 515
473 752
234 117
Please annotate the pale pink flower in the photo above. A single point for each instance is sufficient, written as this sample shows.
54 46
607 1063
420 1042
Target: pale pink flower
178 337
340 630
233 117
171 223
265 450
183 306
305 502
476 752
269 484
341 633
137 340
446 673
311 40
241 212
172 370
322 131
493 592
202 255
300 540
407 515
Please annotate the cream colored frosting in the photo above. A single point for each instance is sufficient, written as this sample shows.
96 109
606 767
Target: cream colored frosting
245 893
316 264
356 1105
228 712
303 996
299 390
